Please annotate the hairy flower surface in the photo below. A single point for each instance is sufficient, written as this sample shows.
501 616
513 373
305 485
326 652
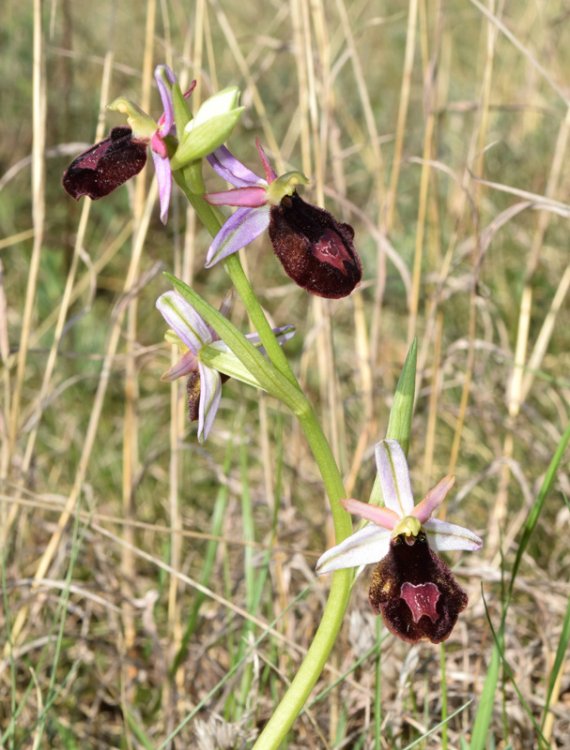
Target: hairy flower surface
411 586
204 381
111 162
315 250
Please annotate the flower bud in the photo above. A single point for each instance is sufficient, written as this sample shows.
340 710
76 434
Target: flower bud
210 128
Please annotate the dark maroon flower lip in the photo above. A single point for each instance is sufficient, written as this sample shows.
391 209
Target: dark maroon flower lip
106 165
415 592
315 250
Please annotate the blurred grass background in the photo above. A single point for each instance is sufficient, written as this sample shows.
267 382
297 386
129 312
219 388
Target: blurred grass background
139 568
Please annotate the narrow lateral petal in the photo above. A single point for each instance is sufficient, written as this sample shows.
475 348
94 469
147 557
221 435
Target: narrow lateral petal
185 365
240 229
434 498
164 180
394 477
184 320
383 517
210 395
445 536
368 545
267 168
252 197
230 169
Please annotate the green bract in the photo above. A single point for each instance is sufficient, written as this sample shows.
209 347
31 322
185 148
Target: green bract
226 362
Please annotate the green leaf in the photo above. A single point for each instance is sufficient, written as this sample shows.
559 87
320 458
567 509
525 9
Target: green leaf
400 422
485 710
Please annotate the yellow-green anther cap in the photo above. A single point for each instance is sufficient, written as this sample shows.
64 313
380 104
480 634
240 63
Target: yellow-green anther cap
284 185
142 125
408 526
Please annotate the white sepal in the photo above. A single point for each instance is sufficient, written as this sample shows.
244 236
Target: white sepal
210 395
184 320
394 477
445 536
368 545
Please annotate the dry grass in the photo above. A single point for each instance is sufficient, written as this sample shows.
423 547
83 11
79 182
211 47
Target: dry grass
440 131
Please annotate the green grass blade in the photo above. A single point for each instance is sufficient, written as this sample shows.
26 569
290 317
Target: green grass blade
561 653
484 714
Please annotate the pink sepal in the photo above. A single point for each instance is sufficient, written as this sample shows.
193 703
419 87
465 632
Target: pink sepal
250 197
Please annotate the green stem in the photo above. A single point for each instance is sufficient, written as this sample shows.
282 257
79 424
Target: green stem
308 673
257 317
444 710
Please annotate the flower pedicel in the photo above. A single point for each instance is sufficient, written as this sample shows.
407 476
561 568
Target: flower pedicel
411 586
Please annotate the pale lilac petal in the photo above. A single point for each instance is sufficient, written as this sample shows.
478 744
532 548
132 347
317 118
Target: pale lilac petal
394 477
210 395
185 365
445 536
368 545
164 180
383 517
434 498
240 229
166 122
230 169
184 320
252 197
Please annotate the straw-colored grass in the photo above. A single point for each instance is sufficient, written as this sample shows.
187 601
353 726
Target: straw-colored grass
157 588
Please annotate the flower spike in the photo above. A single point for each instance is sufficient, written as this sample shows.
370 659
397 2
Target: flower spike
411 586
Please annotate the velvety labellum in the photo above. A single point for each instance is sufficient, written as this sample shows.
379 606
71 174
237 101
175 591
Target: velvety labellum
316 251
416 592
193 394
106 165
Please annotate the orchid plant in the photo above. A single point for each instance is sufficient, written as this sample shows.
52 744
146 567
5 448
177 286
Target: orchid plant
412 587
